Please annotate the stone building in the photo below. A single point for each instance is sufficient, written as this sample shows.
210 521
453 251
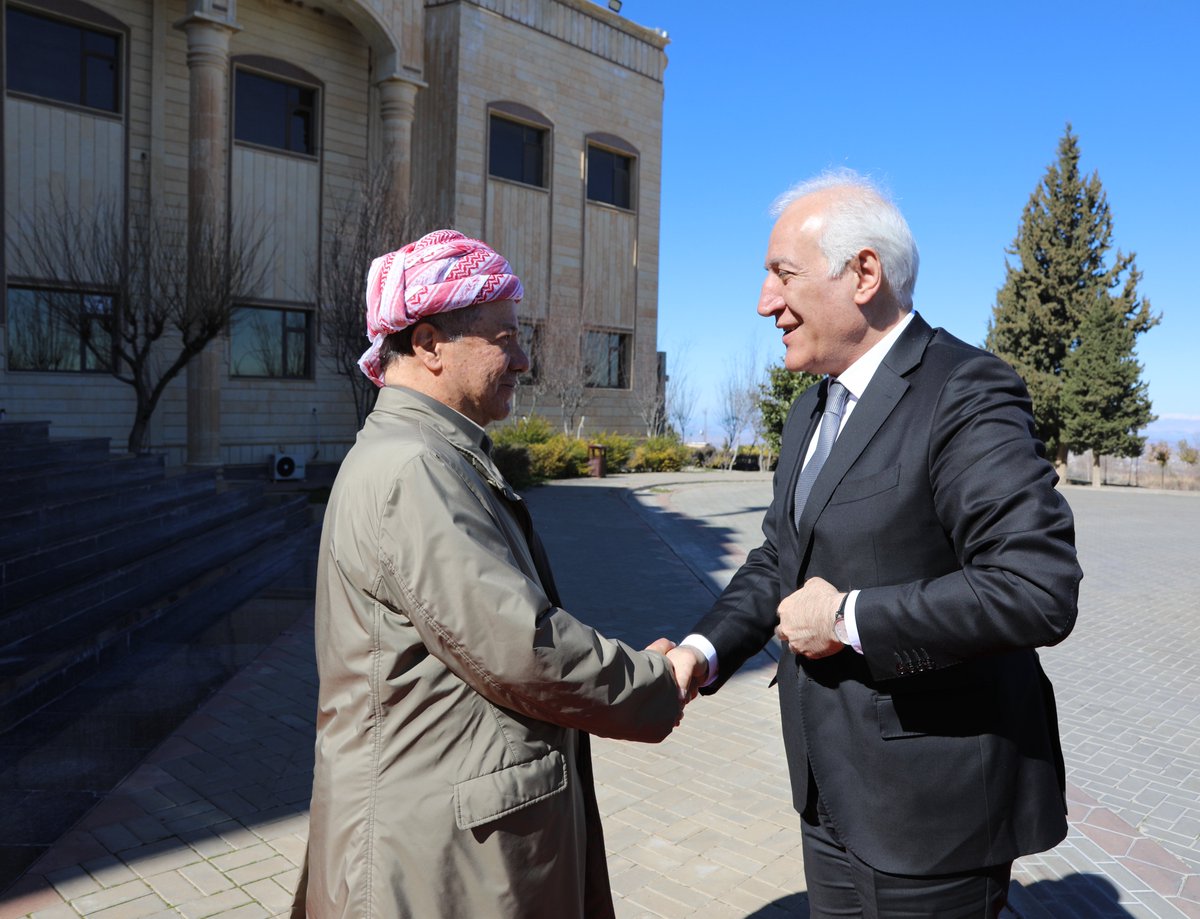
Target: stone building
534 124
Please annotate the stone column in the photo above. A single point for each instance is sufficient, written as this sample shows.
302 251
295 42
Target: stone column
397 108
208 191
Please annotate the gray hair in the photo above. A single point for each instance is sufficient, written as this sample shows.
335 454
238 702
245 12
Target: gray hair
862 218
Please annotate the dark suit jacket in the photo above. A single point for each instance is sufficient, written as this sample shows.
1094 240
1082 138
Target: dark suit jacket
936 750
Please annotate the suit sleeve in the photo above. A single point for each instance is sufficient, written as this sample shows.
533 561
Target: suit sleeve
448 570
743 618
1012 534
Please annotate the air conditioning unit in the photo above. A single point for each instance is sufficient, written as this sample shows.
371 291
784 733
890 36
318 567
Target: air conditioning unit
286 467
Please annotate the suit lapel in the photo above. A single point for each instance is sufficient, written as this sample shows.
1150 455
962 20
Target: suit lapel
804 418
881 397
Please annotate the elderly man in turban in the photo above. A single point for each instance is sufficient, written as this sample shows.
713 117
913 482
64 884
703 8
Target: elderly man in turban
456 696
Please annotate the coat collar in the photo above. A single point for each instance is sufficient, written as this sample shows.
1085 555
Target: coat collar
463 434
879 399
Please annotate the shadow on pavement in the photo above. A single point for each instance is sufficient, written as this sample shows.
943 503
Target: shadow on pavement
794 905
1076 896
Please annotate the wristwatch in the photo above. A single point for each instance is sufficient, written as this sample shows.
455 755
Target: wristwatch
839 621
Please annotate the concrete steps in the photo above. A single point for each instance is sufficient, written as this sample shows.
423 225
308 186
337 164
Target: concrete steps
97 553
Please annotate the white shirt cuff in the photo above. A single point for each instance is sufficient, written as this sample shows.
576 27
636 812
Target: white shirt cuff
704 646
851 622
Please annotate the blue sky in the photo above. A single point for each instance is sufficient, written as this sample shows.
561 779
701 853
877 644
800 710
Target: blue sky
957 109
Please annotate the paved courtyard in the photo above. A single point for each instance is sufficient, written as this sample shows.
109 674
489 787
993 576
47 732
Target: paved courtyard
213 822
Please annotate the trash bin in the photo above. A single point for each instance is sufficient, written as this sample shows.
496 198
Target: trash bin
597 461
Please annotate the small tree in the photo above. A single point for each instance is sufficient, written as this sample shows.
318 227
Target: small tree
775 397
365 227
1160 452
739 403
1188 453
157 324
1103 402
681 402
650 401
563 376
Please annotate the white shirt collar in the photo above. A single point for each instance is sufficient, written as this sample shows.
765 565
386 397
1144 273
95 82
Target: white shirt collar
856 377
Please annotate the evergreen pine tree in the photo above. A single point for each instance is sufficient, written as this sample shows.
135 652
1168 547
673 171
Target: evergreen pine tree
1104 400
1058 277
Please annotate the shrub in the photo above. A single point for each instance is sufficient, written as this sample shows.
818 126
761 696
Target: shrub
560 457
618 450
532 429
660 454
514 463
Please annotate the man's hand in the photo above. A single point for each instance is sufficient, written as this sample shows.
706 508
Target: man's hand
806 619
691 671
663 646
660 645
688 666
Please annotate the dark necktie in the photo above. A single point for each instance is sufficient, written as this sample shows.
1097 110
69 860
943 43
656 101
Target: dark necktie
831 418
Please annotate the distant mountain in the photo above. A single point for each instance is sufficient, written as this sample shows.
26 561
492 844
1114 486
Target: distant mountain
1173 428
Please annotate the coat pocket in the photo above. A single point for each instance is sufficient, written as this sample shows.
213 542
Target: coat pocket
489 797
867 486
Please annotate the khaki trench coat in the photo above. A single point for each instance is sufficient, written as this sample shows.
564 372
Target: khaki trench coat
452 774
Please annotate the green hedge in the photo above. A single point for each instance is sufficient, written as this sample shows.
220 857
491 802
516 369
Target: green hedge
533 429
560 457
660 454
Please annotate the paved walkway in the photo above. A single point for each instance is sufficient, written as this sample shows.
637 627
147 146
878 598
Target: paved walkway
213 822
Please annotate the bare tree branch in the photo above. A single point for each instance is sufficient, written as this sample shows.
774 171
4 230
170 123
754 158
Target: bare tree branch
158 321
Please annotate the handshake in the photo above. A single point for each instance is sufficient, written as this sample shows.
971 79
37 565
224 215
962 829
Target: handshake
687 664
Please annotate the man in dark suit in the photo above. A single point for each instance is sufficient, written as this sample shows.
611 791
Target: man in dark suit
910 580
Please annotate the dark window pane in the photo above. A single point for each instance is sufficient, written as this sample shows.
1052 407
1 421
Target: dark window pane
607 359
100 83
272 113
62 61
269 342
58 330
517 152
610 177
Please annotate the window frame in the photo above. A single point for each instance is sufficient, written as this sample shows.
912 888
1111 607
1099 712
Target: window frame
86 18
288 75
525 117
624 350
615 147
284 334
86 355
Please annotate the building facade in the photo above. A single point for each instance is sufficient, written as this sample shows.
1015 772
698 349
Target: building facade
138 131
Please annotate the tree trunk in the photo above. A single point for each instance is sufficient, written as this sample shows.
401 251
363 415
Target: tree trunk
1096 477
1060 462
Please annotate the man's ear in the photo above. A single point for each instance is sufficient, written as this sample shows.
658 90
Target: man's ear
426 342
869 271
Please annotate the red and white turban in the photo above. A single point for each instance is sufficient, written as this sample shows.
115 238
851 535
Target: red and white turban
441 271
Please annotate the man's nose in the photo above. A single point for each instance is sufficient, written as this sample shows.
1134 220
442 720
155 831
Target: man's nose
520 361
770 299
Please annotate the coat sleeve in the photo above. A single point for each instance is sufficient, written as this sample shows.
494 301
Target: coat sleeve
446 566
743 618
1012 533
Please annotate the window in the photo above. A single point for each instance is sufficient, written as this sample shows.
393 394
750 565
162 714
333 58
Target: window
517 151
274 113
529 336
59 330
63 61
609 177
607 359
269 342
